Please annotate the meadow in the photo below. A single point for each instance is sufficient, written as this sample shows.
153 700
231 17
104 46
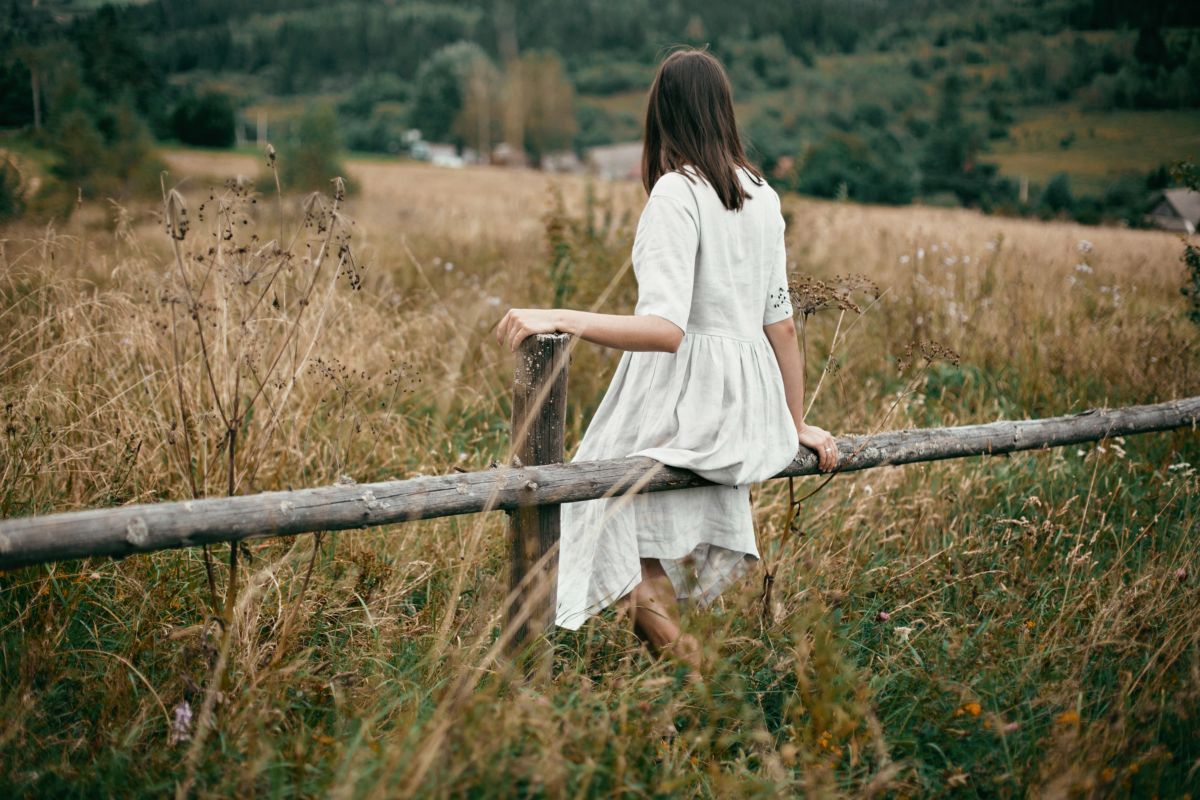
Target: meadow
1094 147
1021 625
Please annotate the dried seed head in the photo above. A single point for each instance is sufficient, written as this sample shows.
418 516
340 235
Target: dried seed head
313 206
176 215
810 295
929 351
270 155
339 189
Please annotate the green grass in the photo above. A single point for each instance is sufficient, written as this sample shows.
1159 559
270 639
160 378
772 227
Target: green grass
1094 147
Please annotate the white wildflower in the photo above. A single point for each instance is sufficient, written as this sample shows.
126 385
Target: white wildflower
904 259
1084 246
903 632
920 252
1084 267
181 726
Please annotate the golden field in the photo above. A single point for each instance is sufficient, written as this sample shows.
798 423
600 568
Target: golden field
1008 626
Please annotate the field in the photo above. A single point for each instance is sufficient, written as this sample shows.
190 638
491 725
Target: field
1025 625
1093 147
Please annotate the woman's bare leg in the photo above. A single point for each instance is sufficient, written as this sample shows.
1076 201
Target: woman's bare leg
655 613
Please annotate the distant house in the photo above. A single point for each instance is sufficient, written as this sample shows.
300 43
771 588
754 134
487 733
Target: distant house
443 155
616 161
561 161
1177 210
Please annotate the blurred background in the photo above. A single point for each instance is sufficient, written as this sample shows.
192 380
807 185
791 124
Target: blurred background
1068 108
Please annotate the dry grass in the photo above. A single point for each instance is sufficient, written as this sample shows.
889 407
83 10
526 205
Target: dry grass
1008 626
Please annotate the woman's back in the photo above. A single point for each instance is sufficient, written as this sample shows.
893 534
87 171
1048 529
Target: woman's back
738 281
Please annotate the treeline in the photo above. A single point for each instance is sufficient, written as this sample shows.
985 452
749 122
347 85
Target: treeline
921 126
86 90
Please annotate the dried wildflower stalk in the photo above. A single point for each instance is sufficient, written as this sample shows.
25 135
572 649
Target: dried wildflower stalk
810 295
241 330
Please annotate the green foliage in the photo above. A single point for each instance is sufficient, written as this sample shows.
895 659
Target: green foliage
12 190
607 76
381 132
1057 197
311 156
438 94
376 88
946 83
1188 174
1191 287
113 156
205 119
758 64
874 170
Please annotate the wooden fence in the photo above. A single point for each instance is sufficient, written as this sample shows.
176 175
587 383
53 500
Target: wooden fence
532 488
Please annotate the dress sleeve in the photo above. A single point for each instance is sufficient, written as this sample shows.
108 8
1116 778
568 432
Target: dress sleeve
664 258
779 301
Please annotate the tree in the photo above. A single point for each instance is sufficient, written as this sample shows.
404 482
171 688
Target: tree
547 100
78 147
439 92
310 159
206 119
479 121
1057 196
1150 50
870 171
12 190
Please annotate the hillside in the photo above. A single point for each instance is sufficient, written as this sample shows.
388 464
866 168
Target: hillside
943 102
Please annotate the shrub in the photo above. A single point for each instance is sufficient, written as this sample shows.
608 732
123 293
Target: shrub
1057 197
372 90
12 190
310 158
205 120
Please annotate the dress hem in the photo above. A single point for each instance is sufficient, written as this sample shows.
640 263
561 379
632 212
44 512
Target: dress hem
738 569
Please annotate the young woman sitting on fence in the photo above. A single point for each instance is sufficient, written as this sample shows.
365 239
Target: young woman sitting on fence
711 378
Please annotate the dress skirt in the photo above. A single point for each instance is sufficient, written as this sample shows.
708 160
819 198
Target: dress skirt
717 407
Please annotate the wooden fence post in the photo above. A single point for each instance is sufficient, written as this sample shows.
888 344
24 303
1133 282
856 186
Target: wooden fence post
538 420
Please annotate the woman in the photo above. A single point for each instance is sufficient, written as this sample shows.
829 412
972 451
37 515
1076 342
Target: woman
711 378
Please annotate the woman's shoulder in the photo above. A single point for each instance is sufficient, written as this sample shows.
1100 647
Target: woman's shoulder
674 184
685 182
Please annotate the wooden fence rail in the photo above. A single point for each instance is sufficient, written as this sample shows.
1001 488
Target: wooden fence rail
532 489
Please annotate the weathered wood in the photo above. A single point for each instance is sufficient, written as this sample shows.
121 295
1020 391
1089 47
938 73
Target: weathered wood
128 530
538 420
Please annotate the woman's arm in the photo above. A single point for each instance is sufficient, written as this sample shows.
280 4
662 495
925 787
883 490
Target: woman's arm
782 336
621 331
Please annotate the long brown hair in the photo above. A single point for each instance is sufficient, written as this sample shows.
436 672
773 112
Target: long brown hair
689 120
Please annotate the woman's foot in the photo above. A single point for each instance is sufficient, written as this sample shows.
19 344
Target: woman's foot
654 611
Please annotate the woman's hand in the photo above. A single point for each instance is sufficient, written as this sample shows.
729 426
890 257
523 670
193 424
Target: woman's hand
519 323
822 443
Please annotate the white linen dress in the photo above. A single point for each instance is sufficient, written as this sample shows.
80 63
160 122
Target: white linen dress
716 406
